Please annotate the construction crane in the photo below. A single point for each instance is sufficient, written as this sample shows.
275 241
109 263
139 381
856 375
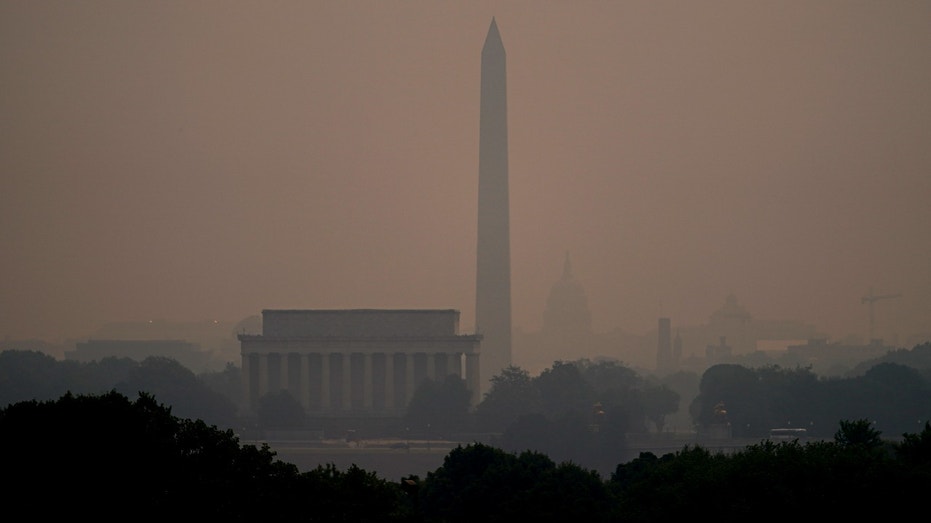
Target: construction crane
871 299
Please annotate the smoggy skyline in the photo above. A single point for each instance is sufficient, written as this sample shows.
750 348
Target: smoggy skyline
187 161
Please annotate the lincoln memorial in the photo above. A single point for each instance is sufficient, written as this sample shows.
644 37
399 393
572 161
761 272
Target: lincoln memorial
356 361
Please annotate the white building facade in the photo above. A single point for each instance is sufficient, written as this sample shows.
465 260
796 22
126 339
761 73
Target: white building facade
356 361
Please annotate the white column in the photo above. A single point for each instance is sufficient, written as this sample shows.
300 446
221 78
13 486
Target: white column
347 380
367 384
431 366
473 379
409 379
325 381
389 382
263 374
246 381
305 381
454 362
283 357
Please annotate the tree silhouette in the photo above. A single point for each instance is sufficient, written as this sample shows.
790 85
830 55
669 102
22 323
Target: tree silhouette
512 395
858 433
439 408
279 410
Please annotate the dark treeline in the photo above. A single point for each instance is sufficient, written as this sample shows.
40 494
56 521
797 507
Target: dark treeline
896 398
32 375
68 432
109 458
578 411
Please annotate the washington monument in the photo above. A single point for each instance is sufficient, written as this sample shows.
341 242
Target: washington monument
493 264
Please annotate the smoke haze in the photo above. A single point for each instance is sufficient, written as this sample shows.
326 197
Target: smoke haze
192 160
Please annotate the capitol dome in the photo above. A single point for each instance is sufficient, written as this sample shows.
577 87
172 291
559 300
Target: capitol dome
567 306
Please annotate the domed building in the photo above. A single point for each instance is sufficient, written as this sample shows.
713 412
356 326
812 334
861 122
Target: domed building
567 333
566 313
733 325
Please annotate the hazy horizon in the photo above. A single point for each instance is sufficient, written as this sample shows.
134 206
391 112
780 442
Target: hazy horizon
187 161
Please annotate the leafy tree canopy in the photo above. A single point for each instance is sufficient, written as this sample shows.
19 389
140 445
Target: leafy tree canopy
440 408
280 410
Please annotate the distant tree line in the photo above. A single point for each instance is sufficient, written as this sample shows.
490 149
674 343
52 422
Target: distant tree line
895 397
109 458
574 411
583 411
443 406
32 375
580 411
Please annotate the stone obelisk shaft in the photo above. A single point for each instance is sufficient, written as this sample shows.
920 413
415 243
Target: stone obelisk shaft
493 278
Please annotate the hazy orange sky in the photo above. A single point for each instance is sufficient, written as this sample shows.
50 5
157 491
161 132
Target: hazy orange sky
197 160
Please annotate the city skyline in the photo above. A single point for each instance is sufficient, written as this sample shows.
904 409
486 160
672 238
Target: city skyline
186 161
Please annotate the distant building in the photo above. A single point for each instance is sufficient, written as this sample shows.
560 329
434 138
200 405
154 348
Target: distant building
567 333
186 353
216 337
718 353
676 351
732 321
356 361
567 315
742 335
820 353
665 357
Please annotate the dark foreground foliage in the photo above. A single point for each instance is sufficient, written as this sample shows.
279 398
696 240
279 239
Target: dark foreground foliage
111 459
772 482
